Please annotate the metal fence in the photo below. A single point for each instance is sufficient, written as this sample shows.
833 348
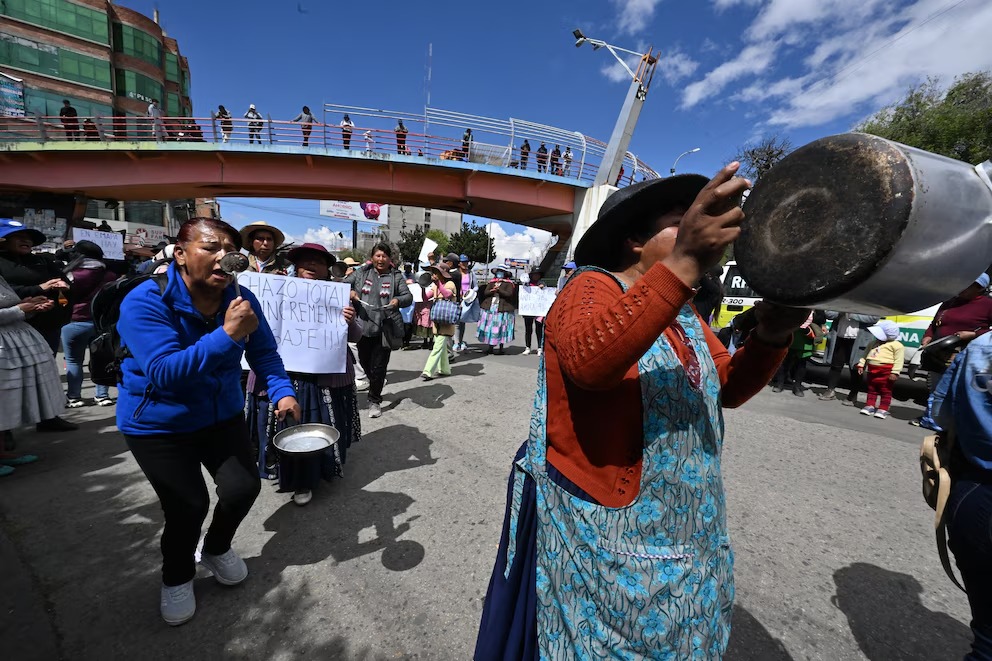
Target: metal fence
435 134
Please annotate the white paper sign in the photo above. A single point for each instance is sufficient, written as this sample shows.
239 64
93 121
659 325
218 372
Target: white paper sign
417 291
535 302
306 319
112 243
428 248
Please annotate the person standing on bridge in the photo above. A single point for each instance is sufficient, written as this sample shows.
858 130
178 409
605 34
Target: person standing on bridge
401 132
555 160
226 123
254 125
262 241
347 126
466 143
70 120
307 119
542 158
524 154
155 114
568 160
615 541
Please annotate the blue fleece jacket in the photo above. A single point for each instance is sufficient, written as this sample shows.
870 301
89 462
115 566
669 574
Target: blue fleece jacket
185 371
962 401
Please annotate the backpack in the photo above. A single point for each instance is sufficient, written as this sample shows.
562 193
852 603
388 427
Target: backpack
935 462
106 352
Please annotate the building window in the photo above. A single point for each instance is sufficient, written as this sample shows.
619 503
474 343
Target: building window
172 107
48 104
62 16
53 61
137 86
132 41
171 67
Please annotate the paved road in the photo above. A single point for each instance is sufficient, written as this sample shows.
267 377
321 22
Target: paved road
835 553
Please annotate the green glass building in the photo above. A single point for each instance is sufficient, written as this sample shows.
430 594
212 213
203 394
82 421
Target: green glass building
108 61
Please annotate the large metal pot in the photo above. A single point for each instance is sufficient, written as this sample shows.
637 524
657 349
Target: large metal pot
858 223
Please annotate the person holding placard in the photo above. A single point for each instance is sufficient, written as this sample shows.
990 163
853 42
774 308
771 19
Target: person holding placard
529 320
180 404
499 306
329 399
442 289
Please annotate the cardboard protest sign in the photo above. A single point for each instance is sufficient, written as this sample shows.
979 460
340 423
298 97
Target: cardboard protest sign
535 302
306 319
112 243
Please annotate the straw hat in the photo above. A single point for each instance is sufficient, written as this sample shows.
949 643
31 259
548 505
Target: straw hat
248 230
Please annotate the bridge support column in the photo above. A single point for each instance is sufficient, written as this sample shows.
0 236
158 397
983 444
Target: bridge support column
588 201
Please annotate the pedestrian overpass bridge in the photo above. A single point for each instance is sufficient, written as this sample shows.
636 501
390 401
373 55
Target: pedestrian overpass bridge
485 174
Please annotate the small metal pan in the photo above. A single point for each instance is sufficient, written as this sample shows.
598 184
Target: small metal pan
306 439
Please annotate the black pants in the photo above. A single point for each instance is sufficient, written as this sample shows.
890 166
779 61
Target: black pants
171 462
794 367
843 348
374 359
253 135
969 518
529 328
306 137
346 140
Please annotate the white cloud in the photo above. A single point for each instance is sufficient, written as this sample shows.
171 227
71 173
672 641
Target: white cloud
530 243
676 66
810 62
323 236
753 60
726 4
635 15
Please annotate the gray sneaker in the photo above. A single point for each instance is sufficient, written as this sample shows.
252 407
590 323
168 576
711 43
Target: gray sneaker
361 385
375 410
228 568
178 603
826 396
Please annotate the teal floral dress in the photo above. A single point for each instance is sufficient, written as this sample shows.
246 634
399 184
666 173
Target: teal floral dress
653 579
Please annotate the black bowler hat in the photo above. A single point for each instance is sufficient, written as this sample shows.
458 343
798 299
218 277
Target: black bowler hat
602 243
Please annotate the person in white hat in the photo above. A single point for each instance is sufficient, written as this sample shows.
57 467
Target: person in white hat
254 125
262 241
881 367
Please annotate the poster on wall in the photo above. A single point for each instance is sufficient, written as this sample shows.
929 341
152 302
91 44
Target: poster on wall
46 222
11 96
363 212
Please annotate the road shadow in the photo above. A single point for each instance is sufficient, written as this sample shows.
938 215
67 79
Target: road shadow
467 368
888 620
346 519
427 396
751 641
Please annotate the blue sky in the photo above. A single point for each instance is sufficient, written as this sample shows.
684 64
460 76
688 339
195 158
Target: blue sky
731 70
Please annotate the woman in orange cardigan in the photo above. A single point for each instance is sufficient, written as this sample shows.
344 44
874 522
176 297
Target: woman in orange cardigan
615 541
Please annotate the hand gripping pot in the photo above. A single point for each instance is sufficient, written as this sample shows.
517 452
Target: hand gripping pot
857 223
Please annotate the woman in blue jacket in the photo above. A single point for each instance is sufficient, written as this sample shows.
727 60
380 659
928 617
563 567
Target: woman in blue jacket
181 406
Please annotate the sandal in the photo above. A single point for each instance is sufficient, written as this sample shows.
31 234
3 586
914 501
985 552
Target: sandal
18 461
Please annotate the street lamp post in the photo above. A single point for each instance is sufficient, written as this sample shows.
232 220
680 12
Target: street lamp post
609 168
675 164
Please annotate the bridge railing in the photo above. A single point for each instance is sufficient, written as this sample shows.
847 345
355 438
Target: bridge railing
492 142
